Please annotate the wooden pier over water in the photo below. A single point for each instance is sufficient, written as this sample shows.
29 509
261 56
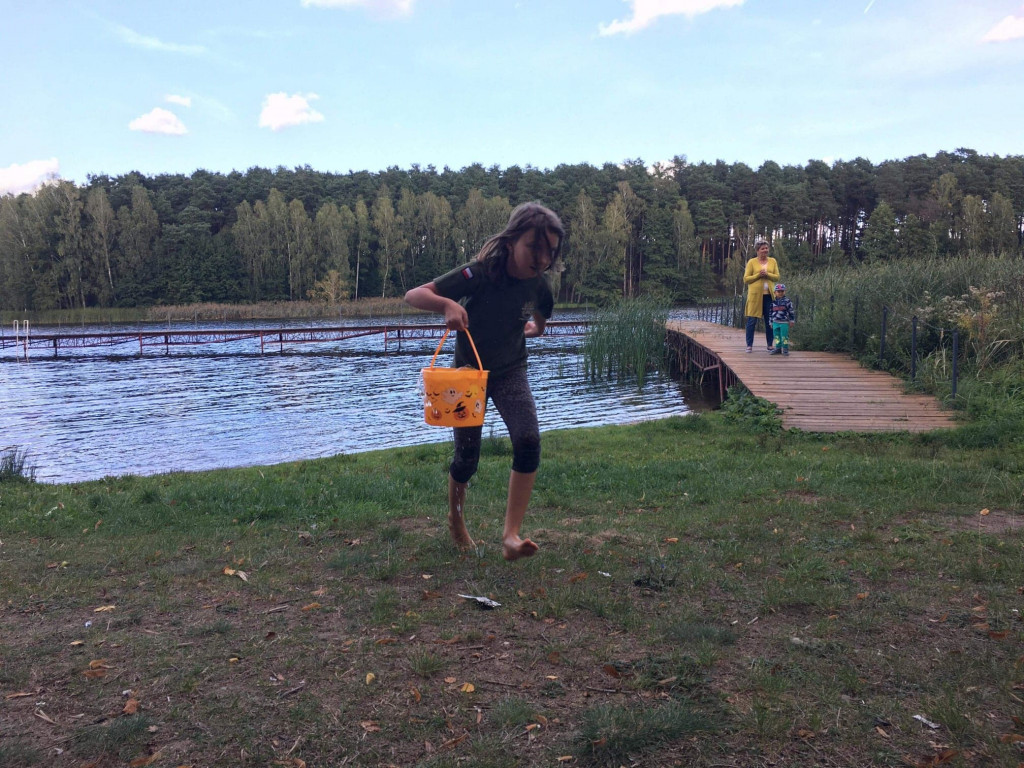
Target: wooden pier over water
816 391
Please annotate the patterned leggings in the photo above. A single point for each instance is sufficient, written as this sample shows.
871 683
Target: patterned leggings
511 395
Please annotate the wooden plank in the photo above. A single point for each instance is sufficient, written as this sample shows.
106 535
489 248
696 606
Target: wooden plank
819 391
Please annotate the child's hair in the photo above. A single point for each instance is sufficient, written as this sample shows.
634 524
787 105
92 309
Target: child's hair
495 252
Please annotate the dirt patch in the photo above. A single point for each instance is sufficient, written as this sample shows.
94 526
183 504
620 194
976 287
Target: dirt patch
804 496
995 522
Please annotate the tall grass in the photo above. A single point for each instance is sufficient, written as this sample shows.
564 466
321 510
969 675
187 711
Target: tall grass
14 466
627 341
841 309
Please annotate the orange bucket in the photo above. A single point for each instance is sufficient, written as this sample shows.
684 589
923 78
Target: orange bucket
454 397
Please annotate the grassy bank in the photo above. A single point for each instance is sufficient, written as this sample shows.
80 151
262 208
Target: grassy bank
705 595
190 313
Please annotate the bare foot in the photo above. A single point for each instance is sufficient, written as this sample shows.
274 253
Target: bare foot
459 532
514 548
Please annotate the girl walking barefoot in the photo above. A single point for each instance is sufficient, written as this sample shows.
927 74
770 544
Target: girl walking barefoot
503 298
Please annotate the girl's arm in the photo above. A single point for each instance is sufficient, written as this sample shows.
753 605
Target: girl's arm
427 298
535 327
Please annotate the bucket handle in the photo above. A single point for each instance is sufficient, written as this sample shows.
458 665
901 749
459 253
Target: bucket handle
441 344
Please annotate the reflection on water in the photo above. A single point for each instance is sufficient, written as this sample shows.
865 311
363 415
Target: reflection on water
95 416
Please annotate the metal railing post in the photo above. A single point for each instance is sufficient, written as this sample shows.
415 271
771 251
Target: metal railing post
881 348
913 348
956 352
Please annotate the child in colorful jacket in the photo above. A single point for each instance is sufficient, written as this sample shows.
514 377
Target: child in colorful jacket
783 313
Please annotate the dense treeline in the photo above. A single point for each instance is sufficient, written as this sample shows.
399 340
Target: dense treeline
672 231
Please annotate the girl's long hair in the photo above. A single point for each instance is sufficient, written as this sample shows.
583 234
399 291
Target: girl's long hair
495 253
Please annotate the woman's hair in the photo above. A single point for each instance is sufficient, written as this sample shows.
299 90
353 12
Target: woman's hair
495 252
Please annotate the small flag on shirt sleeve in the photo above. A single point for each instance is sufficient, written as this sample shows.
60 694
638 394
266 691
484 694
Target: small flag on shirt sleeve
467 273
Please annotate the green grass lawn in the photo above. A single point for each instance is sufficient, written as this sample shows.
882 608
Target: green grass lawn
706 594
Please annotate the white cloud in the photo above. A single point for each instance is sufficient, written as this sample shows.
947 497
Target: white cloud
136 40
382 7
16 179
159 120
281 111
184 101
1010 28
645 12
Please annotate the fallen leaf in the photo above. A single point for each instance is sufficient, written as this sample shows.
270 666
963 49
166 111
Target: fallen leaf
862 595
554 657
453 742
320 592
370 726
1011 738
450 680
416 695
43 716
291 762
467 688
998 635
311 607
611 671
98 664
577 577
138 762
94 674
881 732
104 608
370 677
386 641
429 595
984 512
76 643
803 733
131 707
565 759
672 540
532 727
18 695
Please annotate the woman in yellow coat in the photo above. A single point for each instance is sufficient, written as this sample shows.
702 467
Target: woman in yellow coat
761 274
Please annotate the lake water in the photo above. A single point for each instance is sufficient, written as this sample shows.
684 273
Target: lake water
95 415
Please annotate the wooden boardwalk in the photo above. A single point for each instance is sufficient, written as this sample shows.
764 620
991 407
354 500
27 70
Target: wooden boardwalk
817 391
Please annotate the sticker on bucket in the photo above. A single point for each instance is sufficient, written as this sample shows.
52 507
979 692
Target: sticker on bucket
454 397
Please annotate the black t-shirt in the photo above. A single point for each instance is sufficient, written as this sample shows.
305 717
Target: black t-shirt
497 313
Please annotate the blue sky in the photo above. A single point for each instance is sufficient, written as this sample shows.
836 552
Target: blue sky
112 86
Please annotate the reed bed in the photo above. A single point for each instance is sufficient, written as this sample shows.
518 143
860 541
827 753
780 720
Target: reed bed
983 299
627 341
265 310
15 466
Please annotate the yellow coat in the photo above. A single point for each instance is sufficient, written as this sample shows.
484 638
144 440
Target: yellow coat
755 284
